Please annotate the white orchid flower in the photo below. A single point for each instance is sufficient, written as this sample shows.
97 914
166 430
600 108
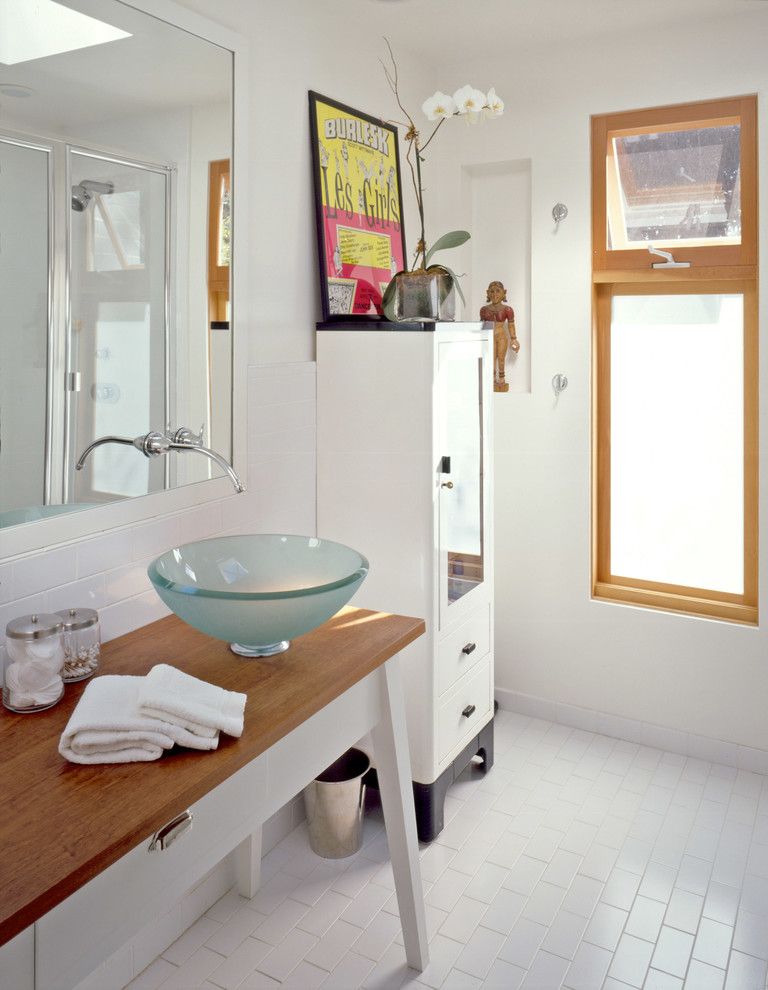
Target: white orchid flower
439 106
494 104
469 100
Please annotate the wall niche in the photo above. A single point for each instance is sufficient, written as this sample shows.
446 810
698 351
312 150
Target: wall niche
497 204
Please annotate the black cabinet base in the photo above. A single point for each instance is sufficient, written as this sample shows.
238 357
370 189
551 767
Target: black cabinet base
430 798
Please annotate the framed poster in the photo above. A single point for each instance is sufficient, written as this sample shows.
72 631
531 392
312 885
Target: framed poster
358 208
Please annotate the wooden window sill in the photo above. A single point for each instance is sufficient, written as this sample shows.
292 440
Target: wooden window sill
681 604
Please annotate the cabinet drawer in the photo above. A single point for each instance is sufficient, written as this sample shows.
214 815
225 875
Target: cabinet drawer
17 962
474 635
472 695
96 920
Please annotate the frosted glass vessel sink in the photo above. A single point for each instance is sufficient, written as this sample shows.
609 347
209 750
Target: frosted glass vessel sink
257 591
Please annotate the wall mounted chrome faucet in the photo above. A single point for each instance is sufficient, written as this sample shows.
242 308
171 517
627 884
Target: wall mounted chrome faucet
155 444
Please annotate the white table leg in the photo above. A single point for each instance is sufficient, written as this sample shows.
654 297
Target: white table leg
248 864
390 743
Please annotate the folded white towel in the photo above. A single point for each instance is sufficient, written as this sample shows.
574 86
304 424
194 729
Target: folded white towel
195 705
107 726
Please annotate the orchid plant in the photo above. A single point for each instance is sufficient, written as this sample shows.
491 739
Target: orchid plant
467 102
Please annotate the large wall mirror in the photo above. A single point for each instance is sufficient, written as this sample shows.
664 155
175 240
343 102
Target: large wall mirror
116 256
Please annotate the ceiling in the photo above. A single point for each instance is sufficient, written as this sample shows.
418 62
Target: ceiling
494 28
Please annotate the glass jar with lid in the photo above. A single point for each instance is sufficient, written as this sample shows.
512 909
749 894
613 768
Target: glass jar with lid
34 656
82 643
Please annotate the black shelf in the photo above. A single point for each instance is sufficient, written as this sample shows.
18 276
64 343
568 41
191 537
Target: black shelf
363 324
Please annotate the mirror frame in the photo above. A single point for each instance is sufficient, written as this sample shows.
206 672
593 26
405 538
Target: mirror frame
27 538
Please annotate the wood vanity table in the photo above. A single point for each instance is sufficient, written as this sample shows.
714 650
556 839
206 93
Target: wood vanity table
76 878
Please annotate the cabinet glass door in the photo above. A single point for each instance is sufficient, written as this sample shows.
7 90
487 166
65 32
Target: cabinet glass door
461 498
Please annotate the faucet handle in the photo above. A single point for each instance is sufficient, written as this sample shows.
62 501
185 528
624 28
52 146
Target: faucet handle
152 444
186 438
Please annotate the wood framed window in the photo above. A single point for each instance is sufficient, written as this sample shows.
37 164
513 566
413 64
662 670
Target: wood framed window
683 176
675 359
219 240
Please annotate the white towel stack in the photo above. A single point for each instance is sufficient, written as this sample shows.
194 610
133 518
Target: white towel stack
201 708
112 724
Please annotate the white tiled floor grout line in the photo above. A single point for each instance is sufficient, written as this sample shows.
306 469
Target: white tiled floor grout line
579 861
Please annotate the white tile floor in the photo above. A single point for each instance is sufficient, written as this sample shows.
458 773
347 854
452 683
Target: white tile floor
579 861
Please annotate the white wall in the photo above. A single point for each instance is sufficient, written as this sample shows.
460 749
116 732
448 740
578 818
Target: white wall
553 642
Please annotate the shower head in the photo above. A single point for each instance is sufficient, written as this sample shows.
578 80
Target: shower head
83 193
80 199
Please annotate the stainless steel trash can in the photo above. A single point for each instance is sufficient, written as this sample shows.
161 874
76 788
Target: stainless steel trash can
334 805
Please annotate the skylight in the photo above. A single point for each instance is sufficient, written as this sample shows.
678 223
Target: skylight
30 30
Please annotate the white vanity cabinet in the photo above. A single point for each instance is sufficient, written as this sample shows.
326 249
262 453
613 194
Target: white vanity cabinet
404 475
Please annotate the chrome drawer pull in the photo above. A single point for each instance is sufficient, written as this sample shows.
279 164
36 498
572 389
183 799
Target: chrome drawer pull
469 710
469 648
170 832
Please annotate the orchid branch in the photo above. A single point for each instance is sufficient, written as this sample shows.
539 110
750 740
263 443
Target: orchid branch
466 101
393 80
437 128
412 137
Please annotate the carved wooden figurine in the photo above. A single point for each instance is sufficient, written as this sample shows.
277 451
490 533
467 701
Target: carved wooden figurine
502 317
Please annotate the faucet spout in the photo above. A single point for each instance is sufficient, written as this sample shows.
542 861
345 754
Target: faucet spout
97 443
216 458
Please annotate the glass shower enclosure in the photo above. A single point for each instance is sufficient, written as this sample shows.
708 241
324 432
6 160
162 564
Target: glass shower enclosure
85 273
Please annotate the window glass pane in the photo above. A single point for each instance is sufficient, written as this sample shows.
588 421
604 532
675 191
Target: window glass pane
677 441
118 238
675 186
225 224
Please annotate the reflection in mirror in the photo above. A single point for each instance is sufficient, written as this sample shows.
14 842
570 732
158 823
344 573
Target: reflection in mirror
115 226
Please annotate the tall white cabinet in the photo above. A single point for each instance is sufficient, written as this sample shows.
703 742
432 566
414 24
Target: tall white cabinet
404 475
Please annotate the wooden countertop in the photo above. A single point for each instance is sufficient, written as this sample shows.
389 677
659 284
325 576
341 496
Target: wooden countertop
61 824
